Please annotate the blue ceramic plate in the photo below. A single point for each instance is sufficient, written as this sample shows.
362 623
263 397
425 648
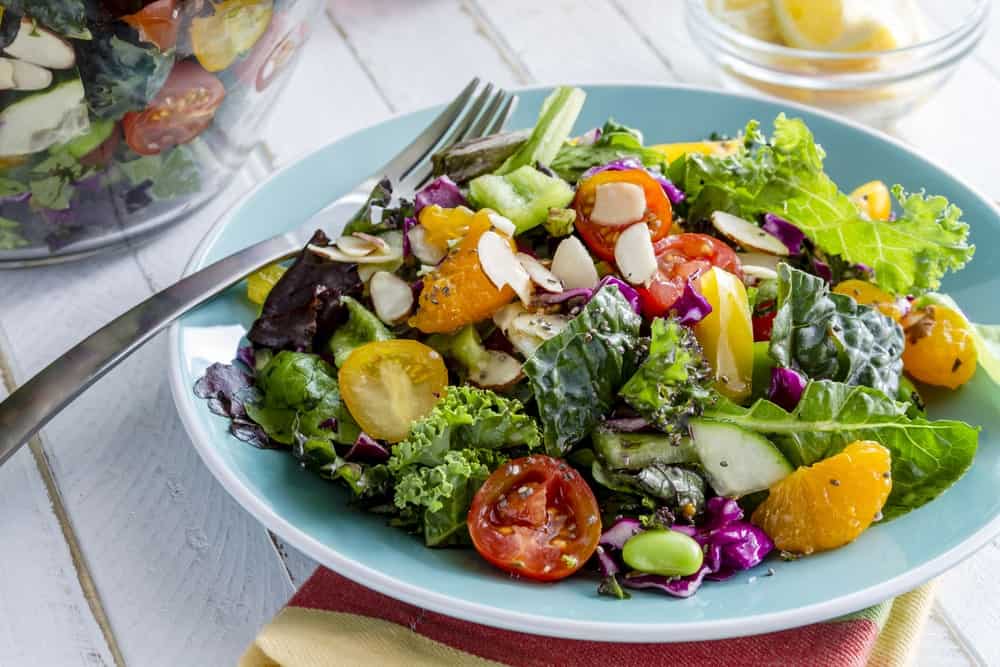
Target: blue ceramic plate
313 515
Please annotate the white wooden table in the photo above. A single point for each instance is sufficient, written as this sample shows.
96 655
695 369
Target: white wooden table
118 545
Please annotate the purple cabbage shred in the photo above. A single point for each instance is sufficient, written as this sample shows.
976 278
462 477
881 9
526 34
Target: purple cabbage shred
784 231
408 224
441 191
674 193
786 387
367 449
691 307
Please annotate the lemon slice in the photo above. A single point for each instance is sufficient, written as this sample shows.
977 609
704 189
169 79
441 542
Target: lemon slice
810 24
868 35
751 17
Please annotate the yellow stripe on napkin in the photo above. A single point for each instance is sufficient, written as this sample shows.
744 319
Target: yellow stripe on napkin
897 644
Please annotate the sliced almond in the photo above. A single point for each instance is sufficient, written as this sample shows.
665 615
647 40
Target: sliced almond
377 242
539 325
618 203
503 224
355 246
34 44
635 255
391 296
753 274
747 234
501 266
424 250
524 343
573 266
337 255
504 317
540 275
501 370
30 77
759 259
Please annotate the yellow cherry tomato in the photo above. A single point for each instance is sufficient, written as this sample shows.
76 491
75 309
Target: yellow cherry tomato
870 295
389 384
673 151
230 31
940 348
726 334
259 284
446 224
873 200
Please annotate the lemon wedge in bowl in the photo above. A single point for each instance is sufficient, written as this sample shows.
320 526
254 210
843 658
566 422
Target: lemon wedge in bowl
751 17
810 24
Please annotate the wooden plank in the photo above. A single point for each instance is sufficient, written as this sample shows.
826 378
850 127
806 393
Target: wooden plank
939 647
181 569
571 40
663 27
45 618
967 595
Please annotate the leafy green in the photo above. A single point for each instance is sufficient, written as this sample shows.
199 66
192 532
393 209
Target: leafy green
442 494
362 326
986 337
634 451
54 186
679 488
299 398
365 481
673 383
10 187
120 73
785 177
173 174
616 141
448 455
559 112
927 456
576 375
832 337
67 17
376 216
10 238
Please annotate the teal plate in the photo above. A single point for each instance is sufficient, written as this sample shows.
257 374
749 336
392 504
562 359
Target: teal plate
314 516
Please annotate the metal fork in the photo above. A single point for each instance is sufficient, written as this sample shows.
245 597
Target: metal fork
33 404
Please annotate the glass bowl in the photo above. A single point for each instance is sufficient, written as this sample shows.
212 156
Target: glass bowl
874 87
119 117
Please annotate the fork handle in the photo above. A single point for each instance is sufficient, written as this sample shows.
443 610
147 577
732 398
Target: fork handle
39 399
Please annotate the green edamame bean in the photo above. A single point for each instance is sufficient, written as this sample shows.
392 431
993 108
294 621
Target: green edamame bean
665 552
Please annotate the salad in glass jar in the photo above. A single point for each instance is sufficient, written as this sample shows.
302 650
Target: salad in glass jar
116 116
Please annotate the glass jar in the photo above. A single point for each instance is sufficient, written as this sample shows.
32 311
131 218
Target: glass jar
118 117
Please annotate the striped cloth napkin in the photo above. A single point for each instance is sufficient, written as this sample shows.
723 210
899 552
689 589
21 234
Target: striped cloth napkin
334 621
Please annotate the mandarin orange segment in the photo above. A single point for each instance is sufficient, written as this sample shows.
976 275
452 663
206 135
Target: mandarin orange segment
458 292
828 504
445 224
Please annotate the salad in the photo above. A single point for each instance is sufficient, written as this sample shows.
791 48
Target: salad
101 104
663 363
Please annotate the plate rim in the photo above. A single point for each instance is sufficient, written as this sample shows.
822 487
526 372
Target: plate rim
702 630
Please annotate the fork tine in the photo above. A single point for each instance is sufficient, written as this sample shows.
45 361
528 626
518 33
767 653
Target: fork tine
425 142
461 126
505 113
491 121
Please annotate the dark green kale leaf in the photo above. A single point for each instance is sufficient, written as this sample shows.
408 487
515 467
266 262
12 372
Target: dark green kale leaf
832 337
673 383
576 376
119 72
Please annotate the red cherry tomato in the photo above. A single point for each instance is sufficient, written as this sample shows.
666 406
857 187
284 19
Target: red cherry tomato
182 110
158 23
763 325
601 239
683 257
535 517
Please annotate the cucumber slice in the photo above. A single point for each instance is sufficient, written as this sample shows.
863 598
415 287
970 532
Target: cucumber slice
40 120
737 461
635 451
100 130
524 195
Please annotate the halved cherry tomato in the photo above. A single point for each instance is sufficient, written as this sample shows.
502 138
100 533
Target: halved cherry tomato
182 110
387 385
535 517
683 257
763 325
601 239
158 23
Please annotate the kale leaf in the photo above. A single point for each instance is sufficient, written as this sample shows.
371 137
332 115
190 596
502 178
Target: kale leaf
576 375
785 176
832 337
119 72
304 308
362 327
673 383
927 456
66 17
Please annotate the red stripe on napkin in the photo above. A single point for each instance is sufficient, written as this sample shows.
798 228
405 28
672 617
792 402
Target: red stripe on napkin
835 644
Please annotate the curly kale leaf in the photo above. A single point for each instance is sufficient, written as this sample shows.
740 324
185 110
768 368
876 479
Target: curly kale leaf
576 375
449 454
121 73
785 176
927 456
300 406
832 337
66 17
673 383
362 327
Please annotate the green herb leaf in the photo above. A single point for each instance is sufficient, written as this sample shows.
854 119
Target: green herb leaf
927 456
10 188
173 174
576 375
832 337
616 142
362 327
